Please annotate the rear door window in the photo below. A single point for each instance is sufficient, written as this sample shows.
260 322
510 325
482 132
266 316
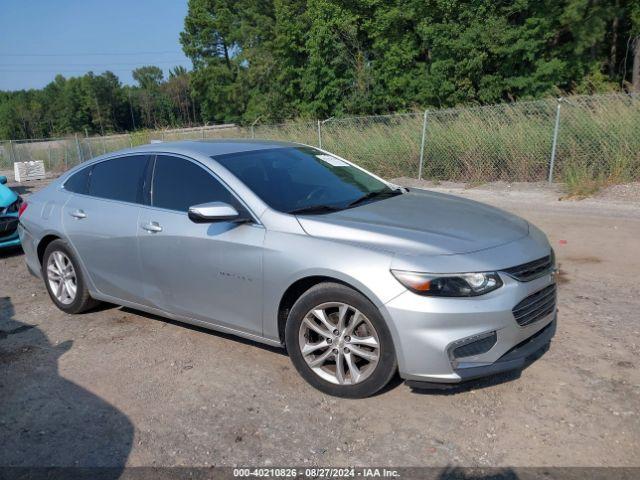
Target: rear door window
179 184
120 178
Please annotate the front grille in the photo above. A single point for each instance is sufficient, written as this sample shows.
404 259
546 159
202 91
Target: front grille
475 347
531 270
536 306
8 226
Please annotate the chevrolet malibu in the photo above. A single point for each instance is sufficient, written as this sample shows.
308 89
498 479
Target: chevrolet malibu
293 246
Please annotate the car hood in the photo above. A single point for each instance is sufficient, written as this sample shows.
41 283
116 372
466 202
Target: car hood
420 223
7 196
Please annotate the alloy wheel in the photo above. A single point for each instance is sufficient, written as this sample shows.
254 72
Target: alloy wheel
339 343
62 277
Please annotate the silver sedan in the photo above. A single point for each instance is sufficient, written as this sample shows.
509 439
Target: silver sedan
293 246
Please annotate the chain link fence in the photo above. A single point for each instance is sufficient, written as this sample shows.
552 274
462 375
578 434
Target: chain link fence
510 142
592 137
599 138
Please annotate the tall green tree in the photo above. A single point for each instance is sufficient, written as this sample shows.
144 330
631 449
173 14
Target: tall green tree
323 57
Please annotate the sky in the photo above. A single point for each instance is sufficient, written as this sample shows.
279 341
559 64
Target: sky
41 38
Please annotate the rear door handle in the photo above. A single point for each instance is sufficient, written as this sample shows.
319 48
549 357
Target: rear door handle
79 214
153 227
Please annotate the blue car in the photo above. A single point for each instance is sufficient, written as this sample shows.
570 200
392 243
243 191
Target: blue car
10 203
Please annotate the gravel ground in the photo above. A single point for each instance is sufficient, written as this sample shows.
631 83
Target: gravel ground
119 387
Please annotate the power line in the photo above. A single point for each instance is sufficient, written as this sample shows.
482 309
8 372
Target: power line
65 71
87 54
85 64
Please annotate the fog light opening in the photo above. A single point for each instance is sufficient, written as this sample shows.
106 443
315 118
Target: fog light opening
472 346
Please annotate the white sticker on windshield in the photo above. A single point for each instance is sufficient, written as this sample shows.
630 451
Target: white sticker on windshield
333 161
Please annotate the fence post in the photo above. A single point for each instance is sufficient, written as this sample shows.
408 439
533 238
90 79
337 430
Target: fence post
78 149
203 133
11 156
253 127
49 154
131 140
554 145
424 137
319 134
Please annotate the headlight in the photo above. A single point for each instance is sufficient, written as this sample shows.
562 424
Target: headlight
449 285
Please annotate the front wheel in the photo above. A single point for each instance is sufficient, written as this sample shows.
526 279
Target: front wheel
64 280
339 342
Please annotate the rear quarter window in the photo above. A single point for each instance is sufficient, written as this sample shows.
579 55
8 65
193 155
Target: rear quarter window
78 182
119 178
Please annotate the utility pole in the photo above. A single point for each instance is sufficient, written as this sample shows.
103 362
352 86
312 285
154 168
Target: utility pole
99 115
133 120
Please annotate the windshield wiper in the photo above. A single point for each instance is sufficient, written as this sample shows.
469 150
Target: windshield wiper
375 194
314 209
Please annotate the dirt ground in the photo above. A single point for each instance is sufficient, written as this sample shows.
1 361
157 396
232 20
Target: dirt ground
116 386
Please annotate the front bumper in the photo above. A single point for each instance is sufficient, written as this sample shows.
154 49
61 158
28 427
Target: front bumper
425 329
514 359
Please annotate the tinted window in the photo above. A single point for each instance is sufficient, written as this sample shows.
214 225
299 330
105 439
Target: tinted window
119 179
288 179
179 184
78 182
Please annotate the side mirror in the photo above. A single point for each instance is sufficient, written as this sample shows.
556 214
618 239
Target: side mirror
214 212
3 179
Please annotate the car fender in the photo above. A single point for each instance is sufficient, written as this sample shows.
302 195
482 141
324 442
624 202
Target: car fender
289 258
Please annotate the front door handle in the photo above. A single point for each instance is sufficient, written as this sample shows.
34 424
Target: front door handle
79 214
153 227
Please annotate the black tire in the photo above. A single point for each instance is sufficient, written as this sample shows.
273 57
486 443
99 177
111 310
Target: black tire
335 292
82 301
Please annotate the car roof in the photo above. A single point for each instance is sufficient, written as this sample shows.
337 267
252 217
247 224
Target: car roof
214 147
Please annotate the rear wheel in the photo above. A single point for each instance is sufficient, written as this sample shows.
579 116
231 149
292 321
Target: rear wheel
339 342
64 280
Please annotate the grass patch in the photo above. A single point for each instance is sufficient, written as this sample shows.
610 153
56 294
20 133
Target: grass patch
581 181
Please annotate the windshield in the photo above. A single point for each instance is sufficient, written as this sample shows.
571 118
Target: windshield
303 179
